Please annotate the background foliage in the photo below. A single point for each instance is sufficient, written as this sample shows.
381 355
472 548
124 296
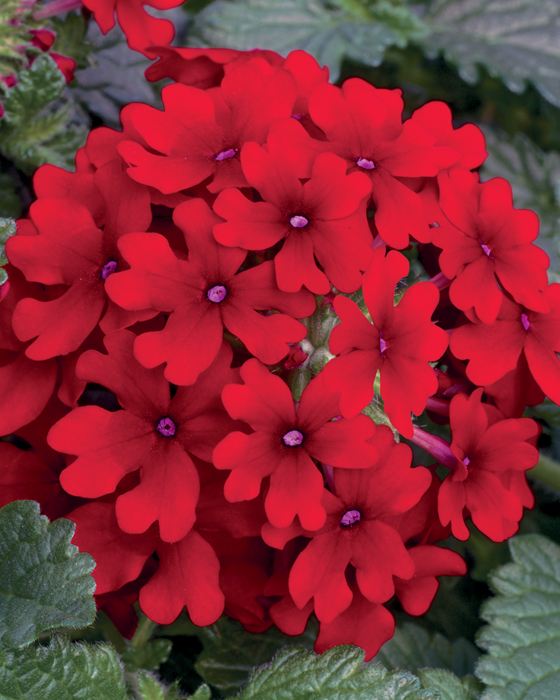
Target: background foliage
493 634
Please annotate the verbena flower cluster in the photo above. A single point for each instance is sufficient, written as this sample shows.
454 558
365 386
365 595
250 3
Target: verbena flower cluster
169 377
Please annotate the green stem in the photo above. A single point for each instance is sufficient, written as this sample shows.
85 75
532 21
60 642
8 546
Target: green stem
110 632
144 632
547 472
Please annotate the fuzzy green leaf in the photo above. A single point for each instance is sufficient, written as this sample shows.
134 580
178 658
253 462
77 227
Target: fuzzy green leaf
7 229
13 35
535 178
338 674
516 40
36 128
331 30
522 639
62 671
414 648
230 653
10 205
71 37
446 686
45 583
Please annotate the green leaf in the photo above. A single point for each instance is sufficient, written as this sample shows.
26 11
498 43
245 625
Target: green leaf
516 40
447 686
340 673
413 648
45 583
535 178
62 671
148 687
230 653
114 77
149 656
331 30
36 128
522 639
7 229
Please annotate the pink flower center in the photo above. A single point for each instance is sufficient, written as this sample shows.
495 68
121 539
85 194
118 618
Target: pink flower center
293 438
350 518
108 269
383 345
217 293
166 427
486 249
299 221
365 163
525 322
466 461
226 154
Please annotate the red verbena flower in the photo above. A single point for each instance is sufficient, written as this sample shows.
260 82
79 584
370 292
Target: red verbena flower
205 295
399 343
321 220
284 441
153 433
487 246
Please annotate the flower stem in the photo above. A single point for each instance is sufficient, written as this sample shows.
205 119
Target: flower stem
547 472
440 280
434 445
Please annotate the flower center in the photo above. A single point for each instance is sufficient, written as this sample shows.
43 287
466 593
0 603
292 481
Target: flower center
299 221
350 518
466 461
293 438
166 427
217 293
108 269
525 322
486 249
365 163
383 345
226 154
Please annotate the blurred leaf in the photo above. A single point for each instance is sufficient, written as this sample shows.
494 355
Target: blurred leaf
7 229
331 30
71 37
297 674
535 178
516 40
413 648
46 582
114 77
9 200
62 671
12 35
36 128
522 639
149 656
230 653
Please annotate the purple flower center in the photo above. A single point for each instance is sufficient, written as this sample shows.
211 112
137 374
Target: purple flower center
466 461
365 163
525 322
108 269
383 345
166 427
350 518
486 248
226 154
299 221
217 293
297 117
293 438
